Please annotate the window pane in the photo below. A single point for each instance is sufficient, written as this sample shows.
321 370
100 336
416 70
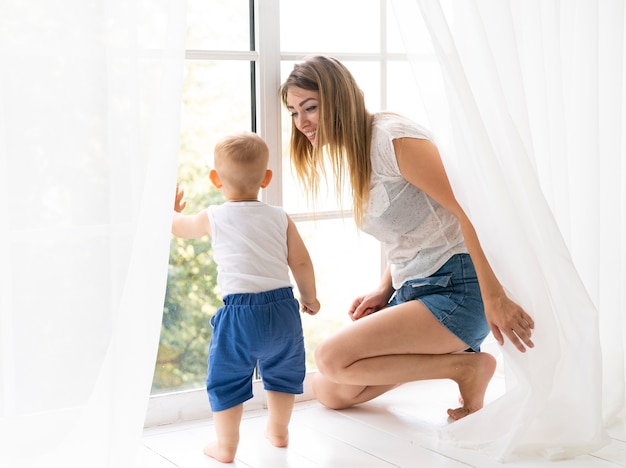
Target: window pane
367 75
402 92
216 102
326 26
395 43
218 25
347 264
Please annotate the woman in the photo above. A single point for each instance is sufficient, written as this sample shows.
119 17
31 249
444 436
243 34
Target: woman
438 297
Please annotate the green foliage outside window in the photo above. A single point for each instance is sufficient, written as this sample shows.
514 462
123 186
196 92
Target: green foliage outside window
191 297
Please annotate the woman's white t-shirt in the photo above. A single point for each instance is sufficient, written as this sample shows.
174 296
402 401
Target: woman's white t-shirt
417 233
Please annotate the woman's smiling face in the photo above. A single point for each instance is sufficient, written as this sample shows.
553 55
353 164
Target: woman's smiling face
304 108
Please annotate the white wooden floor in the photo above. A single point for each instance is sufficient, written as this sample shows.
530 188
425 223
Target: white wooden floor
398 429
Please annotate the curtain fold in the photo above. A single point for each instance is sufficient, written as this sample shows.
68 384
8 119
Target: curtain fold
531 127
90 96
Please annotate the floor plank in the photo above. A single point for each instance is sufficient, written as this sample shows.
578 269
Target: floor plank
398 429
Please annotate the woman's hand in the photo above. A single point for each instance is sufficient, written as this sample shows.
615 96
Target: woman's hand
368 304
506 317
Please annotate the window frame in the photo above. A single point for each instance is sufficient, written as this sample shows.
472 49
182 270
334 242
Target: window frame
265 58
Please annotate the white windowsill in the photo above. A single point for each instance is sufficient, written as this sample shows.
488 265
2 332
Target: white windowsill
192 405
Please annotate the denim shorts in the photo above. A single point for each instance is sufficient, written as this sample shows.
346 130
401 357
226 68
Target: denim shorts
452 295
260 327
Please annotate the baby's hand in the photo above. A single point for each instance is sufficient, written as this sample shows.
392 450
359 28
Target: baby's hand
311 308
179 203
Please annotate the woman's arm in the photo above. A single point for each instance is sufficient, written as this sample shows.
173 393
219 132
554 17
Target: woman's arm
421 165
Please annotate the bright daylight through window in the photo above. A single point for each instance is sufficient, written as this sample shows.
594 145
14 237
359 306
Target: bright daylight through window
221 96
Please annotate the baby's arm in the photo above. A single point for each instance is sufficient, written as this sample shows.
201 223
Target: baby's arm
188 226
302 268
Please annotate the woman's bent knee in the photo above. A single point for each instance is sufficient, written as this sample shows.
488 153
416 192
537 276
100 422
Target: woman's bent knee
329 393
326 360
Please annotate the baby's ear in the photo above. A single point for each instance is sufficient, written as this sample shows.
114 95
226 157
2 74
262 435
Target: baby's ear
215 179
268 178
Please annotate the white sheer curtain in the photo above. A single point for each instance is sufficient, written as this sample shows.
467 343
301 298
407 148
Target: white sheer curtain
90 94
531 121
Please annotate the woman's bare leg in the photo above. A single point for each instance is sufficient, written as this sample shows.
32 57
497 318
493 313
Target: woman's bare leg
340 396
396 345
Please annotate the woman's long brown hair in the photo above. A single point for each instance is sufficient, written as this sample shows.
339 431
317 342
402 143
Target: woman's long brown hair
344 130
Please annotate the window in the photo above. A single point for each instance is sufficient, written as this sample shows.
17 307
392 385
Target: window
235 63
217 100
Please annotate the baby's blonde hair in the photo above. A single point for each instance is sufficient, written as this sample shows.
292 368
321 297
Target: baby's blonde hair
344 129
241 160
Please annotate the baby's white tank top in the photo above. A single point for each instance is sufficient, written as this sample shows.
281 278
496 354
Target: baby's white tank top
249 240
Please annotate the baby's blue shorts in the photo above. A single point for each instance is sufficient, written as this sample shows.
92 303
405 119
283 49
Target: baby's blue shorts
453 296
264 327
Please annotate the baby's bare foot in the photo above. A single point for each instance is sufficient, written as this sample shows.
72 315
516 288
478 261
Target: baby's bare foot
222 454
277 439
473 385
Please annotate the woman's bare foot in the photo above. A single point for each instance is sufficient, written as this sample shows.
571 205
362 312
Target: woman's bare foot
473 385
222 454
